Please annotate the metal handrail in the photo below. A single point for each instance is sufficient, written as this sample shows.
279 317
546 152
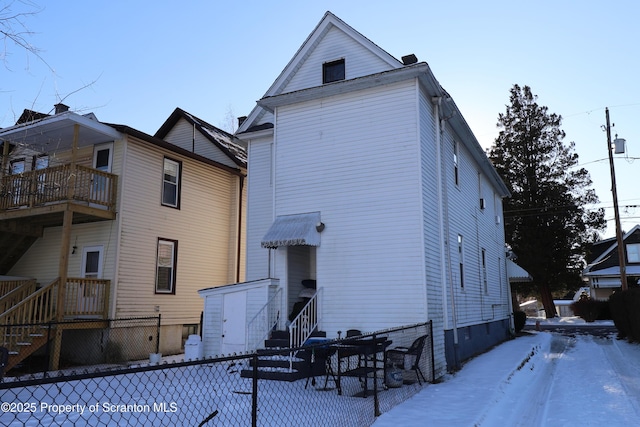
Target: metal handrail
265 320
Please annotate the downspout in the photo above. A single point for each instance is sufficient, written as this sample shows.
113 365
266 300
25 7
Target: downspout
444 271
239 242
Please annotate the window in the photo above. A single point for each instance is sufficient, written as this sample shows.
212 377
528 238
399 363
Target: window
455 162
171 183
484 271
633 252
92 262
333 71
461 261
166 266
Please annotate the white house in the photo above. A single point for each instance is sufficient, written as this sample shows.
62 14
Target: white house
603 270
364 177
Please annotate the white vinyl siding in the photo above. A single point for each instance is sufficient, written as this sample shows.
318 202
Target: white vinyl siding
363 178
260 212
359 61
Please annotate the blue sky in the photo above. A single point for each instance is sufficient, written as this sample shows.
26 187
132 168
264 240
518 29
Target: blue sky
215 59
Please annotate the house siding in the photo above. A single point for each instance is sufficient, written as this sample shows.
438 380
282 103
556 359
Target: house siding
182 135
353 158
359 61
204 224
435 281
42 260
260 211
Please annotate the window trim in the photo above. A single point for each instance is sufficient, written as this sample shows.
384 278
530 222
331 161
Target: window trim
330 66
174 263
178 184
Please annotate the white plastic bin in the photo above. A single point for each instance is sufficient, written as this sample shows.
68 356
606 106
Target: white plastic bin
193 348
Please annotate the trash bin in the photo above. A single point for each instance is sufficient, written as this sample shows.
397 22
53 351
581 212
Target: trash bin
193 348
394 376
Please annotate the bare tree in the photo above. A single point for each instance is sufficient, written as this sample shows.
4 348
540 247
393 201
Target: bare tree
14 31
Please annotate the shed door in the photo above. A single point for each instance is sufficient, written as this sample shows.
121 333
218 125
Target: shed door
234 314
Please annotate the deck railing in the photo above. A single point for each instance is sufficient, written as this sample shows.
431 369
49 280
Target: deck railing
86 298
83 297
50 185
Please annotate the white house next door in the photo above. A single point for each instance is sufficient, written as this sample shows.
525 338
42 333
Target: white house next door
234 307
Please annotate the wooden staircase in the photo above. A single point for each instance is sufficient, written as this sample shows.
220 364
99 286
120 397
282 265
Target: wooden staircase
28 319
275 362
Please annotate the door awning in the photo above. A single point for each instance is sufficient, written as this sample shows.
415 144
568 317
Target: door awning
516 273
293 230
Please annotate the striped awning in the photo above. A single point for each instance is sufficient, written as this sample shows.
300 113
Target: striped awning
293 230
516 273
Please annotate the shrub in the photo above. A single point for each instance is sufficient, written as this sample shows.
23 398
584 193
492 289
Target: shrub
590 309
625 311
519 319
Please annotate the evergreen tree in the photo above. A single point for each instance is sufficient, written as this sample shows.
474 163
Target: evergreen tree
546 222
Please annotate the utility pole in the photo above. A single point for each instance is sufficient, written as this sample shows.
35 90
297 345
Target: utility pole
621 251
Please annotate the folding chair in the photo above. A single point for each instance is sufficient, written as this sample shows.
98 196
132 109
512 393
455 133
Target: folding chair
414 350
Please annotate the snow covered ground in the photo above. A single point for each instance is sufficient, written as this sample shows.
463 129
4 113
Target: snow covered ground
542 379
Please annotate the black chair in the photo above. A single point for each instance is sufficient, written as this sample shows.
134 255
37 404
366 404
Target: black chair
414 350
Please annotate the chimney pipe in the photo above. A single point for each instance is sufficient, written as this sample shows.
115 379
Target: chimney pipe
241 120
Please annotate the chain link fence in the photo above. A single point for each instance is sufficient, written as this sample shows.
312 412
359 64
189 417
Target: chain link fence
233 391
90 342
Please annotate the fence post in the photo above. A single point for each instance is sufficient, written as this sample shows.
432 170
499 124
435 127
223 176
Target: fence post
376 403
254 393
48 348
433 360
158 334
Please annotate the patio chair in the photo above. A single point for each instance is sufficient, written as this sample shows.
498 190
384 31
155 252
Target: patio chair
415 350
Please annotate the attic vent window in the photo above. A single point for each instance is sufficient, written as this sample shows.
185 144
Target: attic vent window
333 71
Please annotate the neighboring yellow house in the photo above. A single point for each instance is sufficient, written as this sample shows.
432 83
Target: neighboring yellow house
133 224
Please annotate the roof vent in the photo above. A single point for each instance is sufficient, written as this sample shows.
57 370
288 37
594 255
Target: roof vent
409 59
61 108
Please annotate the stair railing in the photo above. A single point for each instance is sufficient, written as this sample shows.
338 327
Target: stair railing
265 321
17 294
26 318
303 325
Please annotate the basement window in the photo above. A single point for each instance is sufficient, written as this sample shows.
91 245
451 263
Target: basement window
333 71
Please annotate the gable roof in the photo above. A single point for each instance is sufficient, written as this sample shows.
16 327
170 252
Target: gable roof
328 21
397 71
605 248
230 145
29 116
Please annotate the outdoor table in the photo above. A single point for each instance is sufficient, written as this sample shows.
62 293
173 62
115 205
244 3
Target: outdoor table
366 349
